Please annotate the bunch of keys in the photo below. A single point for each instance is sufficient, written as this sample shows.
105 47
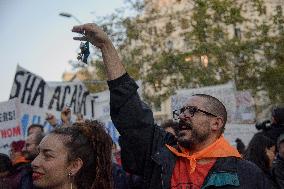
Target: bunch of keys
85 52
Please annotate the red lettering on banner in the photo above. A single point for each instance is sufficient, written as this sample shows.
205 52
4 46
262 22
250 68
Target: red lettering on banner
11 132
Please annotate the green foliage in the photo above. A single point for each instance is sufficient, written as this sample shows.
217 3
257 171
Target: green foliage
253 58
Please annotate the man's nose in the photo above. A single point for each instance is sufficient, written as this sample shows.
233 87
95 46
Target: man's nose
35 163
183 116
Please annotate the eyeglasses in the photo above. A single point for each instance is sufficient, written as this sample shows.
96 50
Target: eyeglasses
189 111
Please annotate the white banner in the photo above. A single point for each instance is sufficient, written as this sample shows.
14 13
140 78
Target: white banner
38 97
245 113
10 129
242 131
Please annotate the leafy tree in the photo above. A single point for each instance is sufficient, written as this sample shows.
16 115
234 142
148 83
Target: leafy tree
252 57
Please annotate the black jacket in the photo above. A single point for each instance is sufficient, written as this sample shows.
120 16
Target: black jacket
278 171
143 150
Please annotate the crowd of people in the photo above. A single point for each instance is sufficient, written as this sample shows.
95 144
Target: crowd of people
190 152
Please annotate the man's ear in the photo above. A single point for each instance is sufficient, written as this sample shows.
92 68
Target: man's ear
75 166
216 123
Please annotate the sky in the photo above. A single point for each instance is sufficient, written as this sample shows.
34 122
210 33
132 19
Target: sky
34 36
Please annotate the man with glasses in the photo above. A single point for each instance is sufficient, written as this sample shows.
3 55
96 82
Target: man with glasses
199 158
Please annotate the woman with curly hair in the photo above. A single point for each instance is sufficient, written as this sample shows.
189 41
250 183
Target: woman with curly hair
76 157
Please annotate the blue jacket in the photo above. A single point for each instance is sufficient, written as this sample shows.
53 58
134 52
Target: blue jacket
143 150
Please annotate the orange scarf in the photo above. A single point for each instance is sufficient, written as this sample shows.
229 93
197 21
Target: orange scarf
20 159
220 148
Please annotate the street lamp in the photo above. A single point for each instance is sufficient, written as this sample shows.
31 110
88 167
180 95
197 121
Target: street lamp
68 15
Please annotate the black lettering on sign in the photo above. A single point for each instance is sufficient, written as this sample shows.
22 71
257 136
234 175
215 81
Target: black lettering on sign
7 116
39 93
93 108
74 99
17 83
67 90
55 97
79 97
24 84
83 103
28 89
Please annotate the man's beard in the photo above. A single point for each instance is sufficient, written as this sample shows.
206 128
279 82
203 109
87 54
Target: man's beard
195 138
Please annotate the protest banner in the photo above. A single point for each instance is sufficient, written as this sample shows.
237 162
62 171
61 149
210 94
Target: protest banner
38 97
245 110
10 129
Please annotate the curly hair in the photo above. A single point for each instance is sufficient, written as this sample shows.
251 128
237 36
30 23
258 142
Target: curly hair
89 142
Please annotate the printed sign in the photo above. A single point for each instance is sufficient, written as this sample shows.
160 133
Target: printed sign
38 97
10 129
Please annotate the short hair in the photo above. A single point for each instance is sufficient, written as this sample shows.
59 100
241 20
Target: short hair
216 107
35 126
38 138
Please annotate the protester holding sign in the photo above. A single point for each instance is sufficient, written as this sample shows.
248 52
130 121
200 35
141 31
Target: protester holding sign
149 151
78 156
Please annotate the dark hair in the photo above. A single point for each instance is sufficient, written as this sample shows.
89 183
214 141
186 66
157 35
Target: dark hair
38 138
170 124
5 163
216 107
35 126
240 146
89 142
256 151
278 114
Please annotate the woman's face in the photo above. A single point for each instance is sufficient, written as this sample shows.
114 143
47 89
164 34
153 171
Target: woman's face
270 152
50 167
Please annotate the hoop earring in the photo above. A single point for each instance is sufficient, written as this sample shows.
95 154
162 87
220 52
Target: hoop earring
69 176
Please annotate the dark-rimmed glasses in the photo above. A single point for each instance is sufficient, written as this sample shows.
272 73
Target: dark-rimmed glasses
189 111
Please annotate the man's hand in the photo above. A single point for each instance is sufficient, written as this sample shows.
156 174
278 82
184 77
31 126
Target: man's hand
92 33
50 118
79 118
96 36
66 115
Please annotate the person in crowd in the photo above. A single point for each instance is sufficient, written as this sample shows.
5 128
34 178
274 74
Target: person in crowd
170 126
35 129
5 171
21 174
277 124
65 118
278 164
261 151
202 158
79 118
78 156
31 145
120 179
240 146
